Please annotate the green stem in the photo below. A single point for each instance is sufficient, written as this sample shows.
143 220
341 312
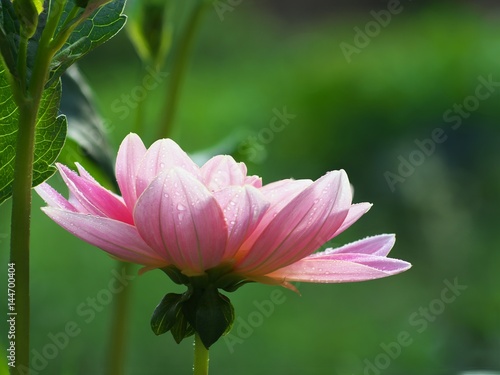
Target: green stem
179 66
20 230
118 329
200 365
21 63
117 340
28 102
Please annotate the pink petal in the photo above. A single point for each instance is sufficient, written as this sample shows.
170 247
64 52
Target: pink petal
355 212
243 208
222 171
95 199
255 181
361 260
279 193
118 239
379 245
53 198
164 154
306 222
178 215
83 173
130 154
357 267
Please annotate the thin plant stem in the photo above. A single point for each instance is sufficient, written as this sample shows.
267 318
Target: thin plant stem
28 102
117 339
179 66
200 363
117 342
20 230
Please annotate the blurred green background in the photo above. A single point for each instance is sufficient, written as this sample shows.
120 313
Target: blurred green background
363 116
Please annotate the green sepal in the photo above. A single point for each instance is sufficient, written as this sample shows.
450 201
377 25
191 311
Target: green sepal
166 313
210 313
176 275
181 329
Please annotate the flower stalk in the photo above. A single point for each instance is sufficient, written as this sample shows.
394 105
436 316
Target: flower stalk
28 102
201 358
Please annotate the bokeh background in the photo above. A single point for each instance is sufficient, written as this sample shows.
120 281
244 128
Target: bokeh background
365 113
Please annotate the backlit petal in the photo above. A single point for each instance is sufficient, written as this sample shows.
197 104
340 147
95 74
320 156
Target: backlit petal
118 239
243 208
177 214
53 198
279 194
379 245
357 267
361 260
164 154
130 154
222 171
355 212
95 199
307 221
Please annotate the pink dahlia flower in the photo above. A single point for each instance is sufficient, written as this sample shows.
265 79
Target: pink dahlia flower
172 212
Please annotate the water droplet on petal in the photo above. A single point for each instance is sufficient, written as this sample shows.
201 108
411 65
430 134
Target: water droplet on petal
181 207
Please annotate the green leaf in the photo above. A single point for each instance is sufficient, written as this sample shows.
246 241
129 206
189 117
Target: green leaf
49 136
28 12
85 126
97 29
9 35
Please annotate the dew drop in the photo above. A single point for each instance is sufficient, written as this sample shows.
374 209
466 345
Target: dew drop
181 207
